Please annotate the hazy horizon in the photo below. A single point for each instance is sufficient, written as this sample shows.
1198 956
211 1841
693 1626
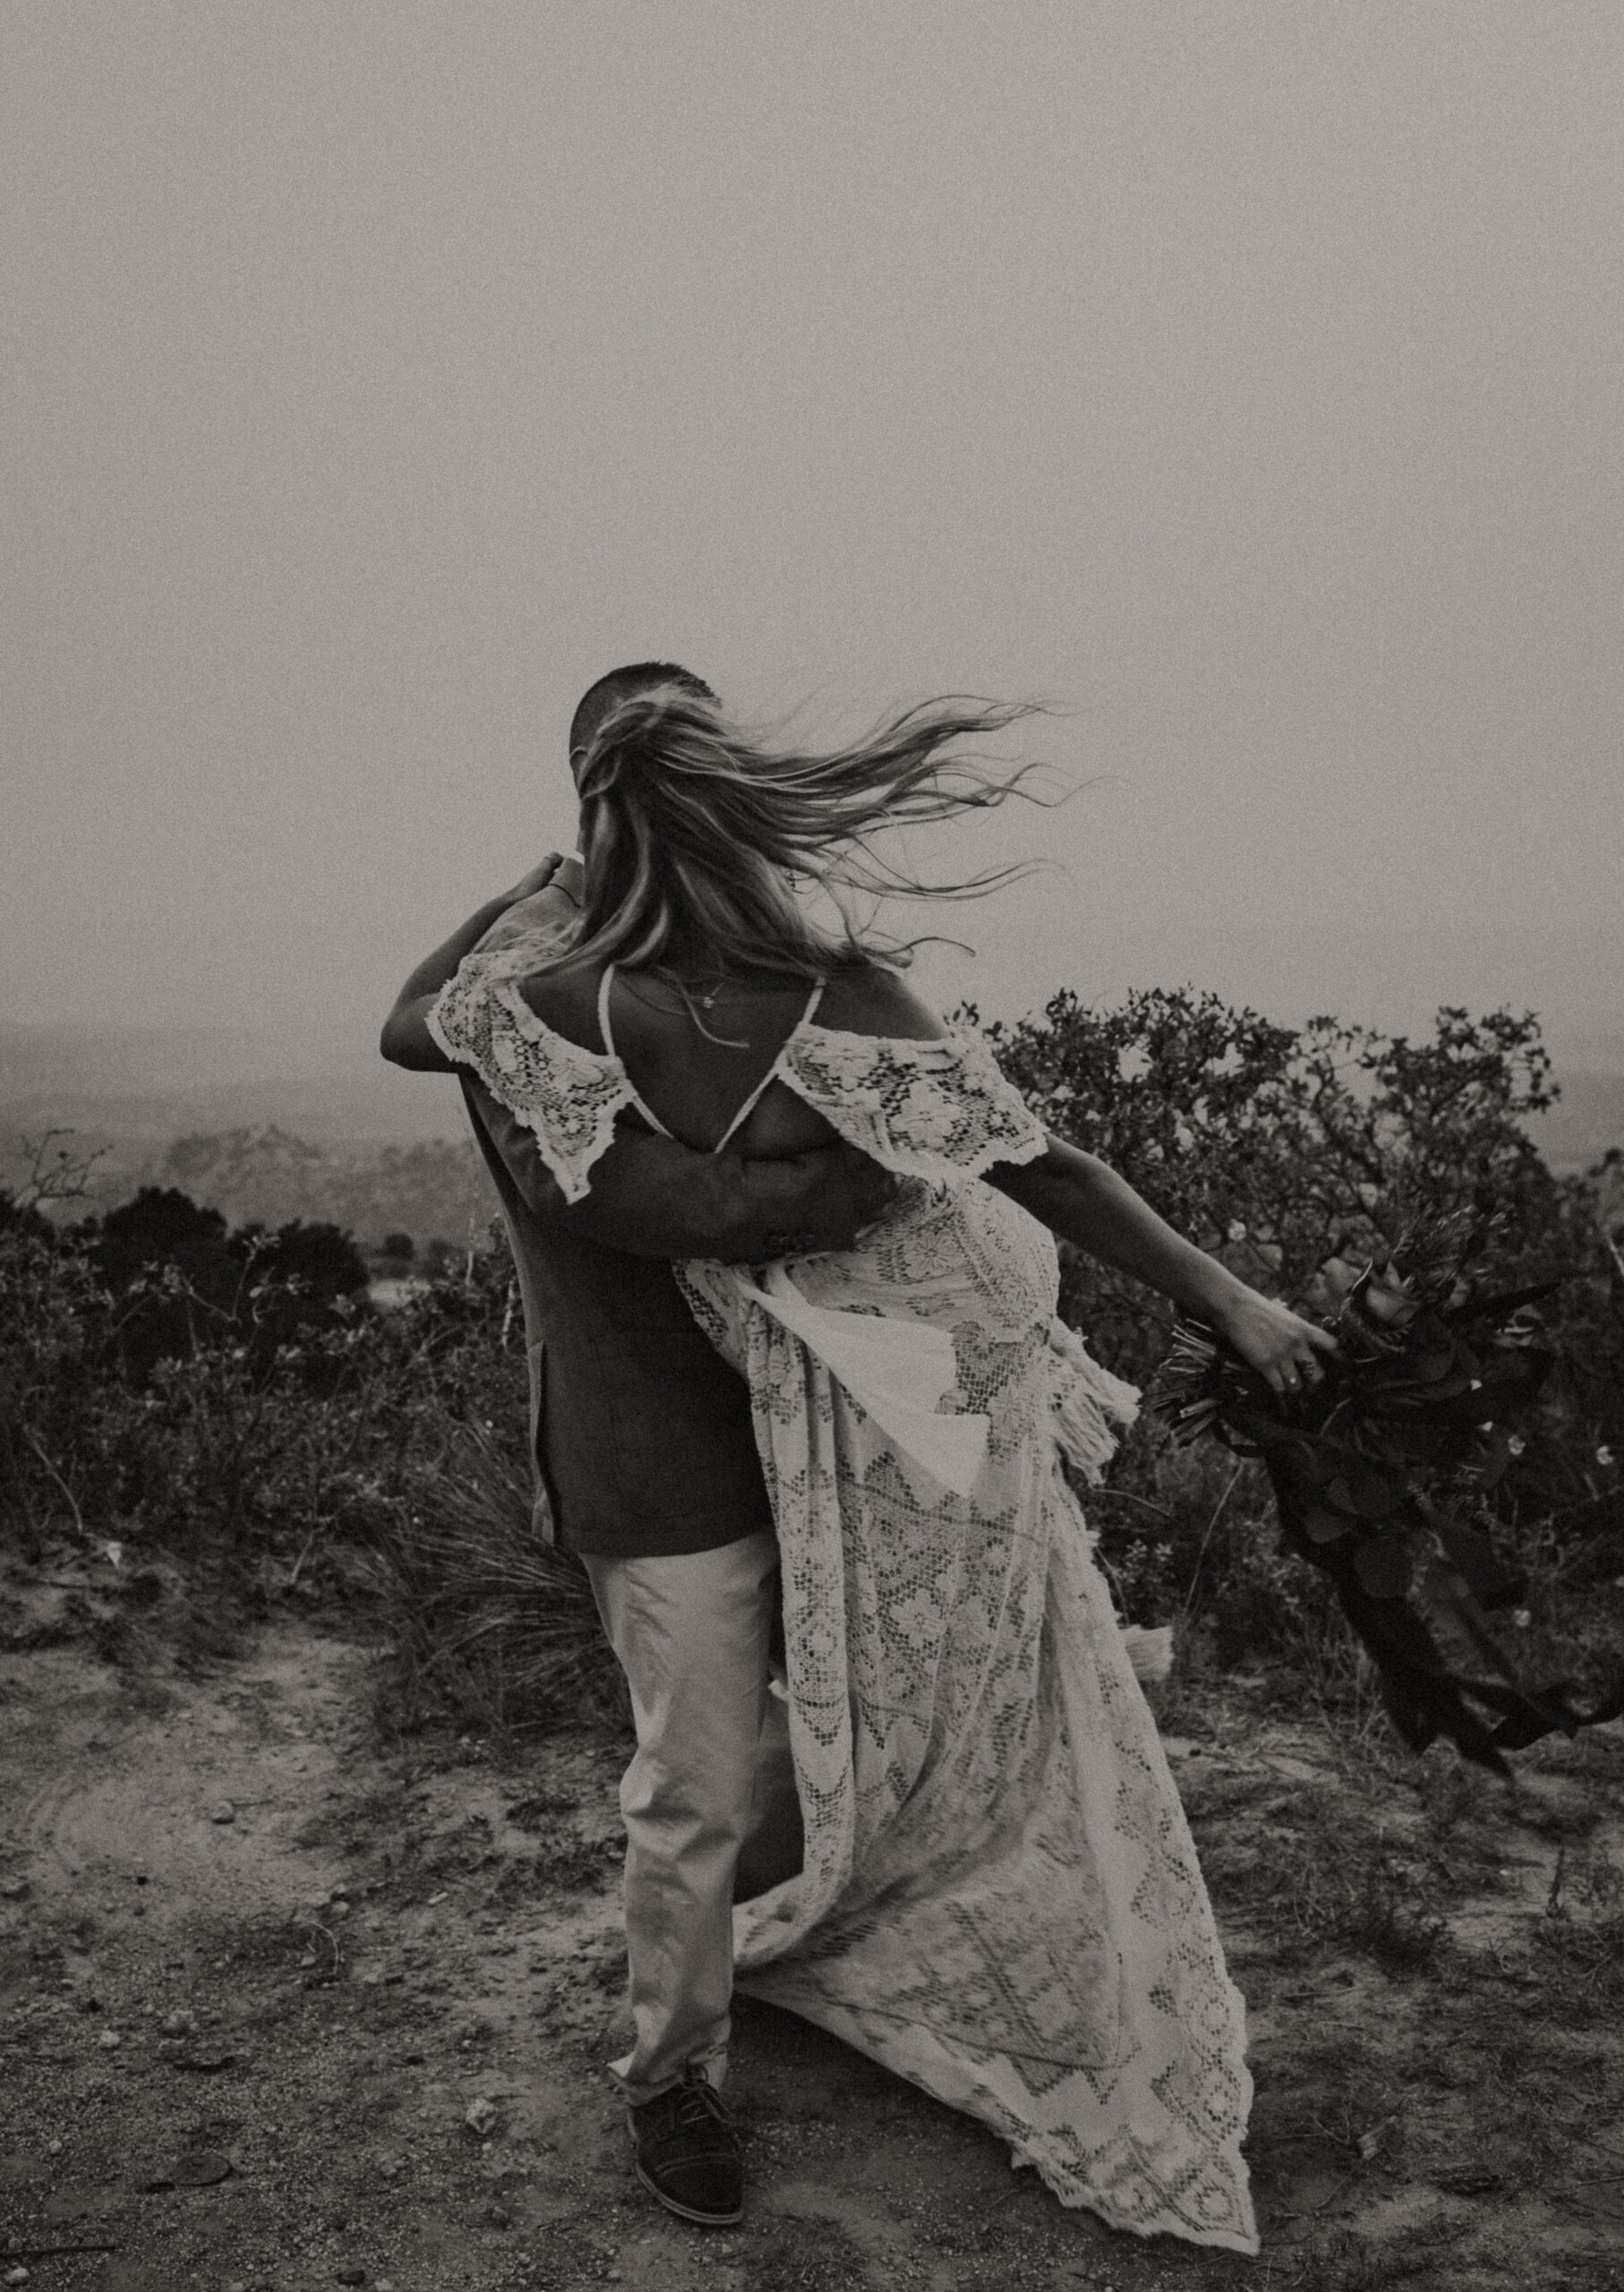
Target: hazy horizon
1244 381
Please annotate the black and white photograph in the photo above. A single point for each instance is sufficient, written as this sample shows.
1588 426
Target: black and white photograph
812 1146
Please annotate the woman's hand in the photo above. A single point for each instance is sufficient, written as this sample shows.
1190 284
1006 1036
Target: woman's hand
1269 1338
537 880
406 1040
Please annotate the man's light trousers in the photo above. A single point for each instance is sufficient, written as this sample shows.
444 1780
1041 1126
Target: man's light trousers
708 1800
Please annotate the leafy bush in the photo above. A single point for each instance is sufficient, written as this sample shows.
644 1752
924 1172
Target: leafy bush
58 1439
1277 1148
1292 1155
268 1286
283 1441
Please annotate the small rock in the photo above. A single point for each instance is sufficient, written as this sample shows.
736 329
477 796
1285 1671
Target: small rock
14 1889
498 2216
480 2115
53 2148
16 2276
202 2169
222 1811
181 2023
109 2040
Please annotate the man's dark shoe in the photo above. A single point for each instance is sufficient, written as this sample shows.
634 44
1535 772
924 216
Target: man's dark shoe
687 2152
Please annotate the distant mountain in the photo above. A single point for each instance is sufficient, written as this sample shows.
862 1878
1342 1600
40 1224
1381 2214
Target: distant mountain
126 1095
434 1189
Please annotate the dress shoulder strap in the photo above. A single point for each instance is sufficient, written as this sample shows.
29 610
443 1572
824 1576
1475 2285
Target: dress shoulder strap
608 1033
774 1071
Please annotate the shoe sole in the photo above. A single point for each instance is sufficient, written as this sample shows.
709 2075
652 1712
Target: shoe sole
686 2211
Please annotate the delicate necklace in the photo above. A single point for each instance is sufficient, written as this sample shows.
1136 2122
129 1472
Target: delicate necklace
686 995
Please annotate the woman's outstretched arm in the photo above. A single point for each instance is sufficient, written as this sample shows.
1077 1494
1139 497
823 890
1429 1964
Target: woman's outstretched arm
1083 1201
1078 1198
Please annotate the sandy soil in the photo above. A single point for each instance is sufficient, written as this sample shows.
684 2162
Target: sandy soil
281 2008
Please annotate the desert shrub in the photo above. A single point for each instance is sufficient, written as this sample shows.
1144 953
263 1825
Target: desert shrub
304 1458
286 1441
57 1435
262 1408
1276 1148
490 1626
1283 1152
176 1279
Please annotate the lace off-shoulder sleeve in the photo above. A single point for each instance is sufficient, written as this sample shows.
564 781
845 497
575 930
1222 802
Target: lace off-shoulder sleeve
570 1097
939 1110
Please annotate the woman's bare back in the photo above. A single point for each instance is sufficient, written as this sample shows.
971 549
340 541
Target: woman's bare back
695 1081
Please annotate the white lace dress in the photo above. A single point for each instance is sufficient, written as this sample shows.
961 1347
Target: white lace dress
1000 1899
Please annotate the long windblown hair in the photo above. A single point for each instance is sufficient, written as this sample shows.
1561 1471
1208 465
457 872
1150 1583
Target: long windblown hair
695 836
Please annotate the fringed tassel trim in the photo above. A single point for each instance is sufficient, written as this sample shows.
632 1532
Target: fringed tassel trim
1087 1400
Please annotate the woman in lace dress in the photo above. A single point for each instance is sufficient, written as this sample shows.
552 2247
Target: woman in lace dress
998 1897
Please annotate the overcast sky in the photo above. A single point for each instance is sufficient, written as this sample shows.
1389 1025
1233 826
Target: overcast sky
1244 380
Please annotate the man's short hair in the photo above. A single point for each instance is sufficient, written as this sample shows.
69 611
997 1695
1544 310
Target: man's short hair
598 699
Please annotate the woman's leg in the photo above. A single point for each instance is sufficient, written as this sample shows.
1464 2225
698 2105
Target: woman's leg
692 1635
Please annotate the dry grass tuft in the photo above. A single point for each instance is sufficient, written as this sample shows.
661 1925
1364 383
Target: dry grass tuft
489 1626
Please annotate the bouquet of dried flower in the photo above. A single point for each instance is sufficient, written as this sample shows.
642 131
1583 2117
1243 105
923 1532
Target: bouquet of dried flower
1374 1469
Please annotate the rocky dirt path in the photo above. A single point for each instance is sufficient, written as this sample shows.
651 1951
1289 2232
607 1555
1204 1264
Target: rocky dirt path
280 2009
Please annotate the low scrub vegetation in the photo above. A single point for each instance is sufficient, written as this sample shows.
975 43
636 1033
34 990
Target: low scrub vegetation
231 1405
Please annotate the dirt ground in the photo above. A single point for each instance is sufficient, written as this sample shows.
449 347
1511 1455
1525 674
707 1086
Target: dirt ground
280 2008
